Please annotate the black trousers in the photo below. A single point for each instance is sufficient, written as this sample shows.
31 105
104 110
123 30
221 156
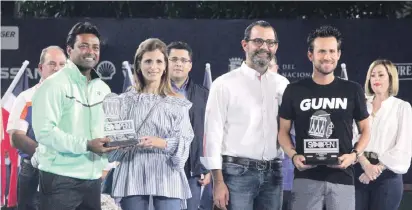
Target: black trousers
28 181
287 200
65 193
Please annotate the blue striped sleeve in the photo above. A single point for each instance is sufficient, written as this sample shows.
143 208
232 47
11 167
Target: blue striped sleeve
180 138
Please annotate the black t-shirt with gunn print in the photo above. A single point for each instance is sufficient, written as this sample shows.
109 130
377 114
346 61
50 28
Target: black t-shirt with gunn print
327 112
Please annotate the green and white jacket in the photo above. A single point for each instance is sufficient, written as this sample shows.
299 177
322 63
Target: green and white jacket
68 112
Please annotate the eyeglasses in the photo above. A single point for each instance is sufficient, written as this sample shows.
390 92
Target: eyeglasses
183 60
259 42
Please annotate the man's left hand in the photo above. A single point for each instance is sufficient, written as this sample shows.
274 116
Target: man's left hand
205 179
345 161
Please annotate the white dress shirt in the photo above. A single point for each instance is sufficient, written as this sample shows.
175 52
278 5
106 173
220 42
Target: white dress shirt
18 113
390 134
241 116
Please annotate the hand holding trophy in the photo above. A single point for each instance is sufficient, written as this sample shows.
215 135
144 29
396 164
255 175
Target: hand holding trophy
120 131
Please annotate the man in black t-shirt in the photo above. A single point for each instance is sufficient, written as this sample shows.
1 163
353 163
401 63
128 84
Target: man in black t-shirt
323 108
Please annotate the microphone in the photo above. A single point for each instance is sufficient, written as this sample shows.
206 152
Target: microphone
344 74
207 66
207 79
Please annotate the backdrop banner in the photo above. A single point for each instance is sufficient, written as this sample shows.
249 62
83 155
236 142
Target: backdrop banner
213 41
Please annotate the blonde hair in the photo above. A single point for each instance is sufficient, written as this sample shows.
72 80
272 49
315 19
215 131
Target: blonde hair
393 77
150 45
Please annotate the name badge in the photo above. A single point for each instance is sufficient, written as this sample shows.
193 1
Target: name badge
321 151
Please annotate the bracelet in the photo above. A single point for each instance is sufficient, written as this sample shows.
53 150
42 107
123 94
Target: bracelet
381 164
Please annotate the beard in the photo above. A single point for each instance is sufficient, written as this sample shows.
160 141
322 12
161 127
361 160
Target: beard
261 62
323 71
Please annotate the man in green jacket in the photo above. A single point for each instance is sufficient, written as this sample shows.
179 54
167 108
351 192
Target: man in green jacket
68 124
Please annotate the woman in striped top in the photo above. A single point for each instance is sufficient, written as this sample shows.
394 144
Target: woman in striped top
155 166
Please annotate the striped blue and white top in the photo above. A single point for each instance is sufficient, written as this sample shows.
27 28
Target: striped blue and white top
158 172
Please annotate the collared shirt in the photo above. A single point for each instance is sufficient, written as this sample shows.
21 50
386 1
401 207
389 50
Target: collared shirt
241 116
182 89
20 115
390 134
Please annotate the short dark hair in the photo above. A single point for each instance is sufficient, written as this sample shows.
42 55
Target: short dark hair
260 23
81 28
179 45
323 32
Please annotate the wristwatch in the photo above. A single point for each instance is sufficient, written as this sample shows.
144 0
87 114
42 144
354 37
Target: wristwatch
357 154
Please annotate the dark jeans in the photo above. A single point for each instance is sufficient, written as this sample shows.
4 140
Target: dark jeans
206 202
65 193
287 200
252 189
28 181
385 193
196 202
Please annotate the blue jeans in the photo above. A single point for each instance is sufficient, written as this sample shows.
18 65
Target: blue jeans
196 202
385 193
141 202
252 189
206 202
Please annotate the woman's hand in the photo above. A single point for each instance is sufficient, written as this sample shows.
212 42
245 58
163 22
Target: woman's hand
152 141
364 179
372 171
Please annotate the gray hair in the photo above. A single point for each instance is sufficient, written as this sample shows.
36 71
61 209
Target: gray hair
275 59
44 51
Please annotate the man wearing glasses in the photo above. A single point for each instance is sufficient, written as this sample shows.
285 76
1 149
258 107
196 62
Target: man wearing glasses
20 129
180 64
240 144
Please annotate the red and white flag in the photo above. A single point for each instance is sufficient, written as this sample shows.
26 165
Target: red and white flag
18 85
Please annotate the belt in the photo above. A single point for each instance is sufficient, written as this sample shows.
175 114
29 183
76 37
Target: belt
260 165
